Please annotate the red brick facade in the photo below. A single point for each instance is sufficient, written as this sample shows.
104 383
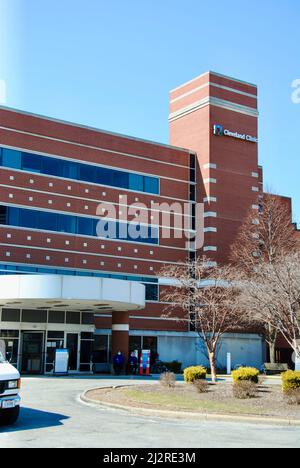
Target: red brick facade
229 179
229 182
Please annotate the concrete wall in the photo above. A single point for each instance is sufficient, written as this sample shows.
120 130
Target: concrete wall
246 350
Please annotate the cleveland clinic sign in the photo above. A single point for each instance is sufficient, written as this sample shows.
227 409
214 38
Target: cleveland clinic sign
219 130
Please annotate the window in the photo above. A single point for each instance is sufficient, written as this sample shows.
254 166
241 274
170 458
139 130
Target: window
11 158
87 319
11 339
56 316
101 353
152 292
31 162
73 318
50 221
78 171
136 182
10 315
55 341
151 185
34 316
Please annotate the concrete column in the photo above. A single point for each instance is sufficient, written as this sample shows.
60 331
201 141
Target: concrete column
120 333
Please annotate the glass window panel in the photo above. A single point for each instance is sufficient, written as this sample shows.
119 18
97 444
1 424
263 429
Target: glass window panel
135 343
73 318
85 226
66 223
121 179
100 351
151 185
103 176
34 316
136 182
47 221
87 318
151 292
87 173
51 166
29 218
11 158
80 171
11 315
86 349
56 316
9 334
31 162
13 216
3 215
56 334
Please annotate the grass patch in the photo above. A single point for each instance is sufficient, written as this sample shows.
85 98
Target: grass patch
175 401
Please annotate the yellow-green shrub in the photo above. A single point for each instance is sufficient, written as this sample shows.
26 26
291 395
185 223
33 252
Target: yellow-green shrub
191 374
290 380
246 373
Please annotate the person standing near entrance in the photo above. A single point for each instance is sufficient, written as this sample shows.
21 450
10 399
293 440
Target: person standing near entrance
118 362
133 364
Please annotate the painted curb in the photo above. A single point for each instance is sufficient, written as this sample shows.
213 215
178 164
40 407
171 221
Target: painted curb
184 415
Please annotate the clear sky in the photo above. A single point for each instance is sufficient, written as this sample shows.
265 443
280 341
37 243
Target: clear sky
111 64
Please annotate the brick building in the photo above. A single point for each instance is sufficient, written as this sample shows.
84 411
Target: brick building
64 286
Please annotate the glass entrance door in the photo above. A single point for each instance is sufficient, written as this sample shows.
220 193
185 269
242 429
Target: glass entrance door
32 353
72 343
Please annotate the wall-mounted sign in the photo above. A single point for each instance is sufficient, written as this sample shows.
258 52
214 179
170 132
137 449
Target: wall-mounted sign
219 130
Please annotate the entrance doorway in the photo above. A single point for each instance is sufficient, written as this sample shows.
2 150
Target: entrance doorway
72 343
32 352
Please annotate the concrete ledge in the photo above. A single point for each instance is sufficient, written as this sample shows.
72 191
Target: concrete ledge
186 414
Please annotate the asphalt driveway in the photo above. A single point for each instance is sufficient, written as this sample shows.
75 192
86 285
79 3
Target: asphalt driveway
53 416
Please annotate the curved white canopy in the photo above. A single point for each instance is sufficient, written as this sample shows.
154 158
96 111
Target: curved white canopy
57 292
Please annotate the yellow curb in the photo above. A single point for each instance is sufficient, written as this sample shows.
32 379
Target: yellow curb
186 414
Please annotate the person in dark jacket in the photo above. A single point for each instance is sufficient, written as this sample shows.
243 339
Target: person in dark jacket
118 362
133 364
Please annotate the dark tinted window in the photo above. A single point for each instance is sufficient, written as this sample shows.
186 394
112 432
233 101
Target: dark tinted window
80 171
34 316
50 221
56 316
73 317
87 318
11 315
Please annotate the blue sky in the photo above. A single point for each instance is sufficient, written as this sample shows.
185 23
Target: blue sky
112 64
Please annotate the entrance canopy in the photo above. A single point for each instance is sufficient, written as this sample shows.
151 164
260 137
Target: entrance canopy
57 292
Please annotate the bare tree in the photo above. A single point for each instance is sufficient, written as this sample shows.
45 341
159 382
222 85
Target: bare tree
206 295
272 296
266 236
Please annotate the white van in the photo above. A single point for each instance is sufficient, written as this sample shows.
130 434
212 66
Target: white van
10 384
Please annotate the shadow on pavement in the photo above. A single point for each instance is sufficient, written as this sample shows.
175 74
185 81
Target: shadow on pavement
34 419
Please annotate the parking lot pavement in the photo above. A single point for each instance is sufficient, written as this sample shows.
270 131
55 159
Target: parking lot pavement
53 416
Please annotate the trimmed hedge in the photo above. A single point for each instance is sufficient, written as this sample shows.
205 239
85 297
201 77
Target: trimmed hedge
246 373
290 380
191 374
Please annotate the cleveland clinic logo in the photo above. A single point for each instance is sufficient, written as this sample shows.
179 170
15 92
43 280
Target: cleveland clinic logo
219 130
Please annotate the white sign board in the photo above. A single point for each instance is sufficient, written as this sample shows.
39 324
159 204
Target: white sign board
61 364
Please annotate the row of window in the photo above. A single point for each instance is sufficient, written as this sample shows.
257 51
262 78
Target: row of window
50 221
78 171
151 284
44 316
